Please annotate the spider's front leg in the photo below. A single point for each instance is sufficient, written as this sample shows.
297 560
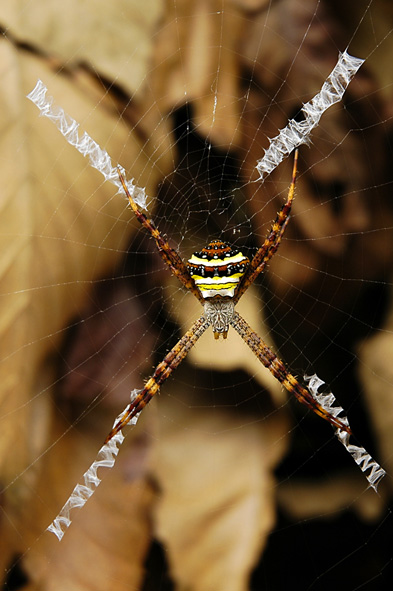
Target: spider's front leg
272 241
167 253
161 373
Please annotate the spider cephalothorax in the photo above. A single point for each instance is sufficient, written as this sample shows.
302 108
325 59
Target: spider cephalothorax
219 313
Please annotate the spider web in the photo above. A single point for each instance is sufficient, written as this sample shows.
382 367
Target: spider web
224 473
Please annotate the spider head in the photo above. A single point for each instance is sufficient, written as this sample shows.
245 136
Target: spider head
217 269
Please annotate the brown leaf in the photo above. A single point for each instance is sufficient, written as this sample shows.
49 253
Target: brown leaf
62 228
115 39
108 539
214 466
311 500
198 63
339 209
375 372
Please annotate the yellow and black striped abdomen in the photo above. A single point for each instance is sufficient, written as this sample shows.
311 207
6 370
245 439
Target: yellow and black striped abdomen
217 269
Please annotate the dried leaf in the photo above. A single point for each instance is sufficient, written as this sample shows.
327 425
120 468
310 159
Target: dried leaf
198 62
61 229
334 174
108 540
379 46
375 372
308 500
215 468
114 38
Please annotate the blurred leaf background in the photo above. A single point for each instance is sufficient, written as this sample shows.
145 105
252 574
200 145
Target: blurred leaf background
81 323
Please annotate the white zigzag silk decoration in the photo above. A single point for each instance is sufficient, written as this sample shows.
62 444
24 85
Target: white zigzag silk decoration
68 127
298 132
106 458
372 470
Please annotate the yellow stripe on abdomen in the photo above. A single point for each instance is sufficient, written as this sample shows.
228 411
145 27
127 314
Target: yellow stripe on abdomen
217 269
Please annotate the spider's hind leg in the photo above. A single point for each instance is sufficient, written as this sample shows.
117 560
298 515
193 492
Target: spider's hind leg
161 373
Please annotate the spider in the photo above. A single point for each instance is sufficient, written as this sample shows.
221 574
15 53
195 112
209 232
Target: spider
218 276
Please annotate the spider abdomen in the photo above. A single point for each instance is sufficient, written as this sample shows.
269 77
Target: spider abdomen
217 269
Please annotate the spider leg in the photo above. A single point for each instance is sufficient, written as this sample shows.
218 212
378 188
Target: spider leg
283 375
161 373
272 241
168 254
